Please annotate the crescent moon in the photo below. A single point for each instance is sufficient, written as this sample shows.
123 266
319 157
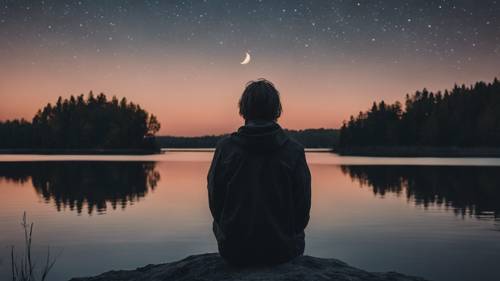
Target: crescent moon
247 59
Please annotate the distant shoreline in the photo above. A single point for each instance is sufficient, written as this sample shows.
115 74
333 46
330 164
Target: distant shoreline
212 149
123 151
47 151
418 151
372 151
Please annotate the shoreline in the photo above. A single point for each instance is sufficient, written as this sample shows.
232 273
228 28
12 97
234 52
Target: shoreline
419 151
122 151
212 149
369 151
50 151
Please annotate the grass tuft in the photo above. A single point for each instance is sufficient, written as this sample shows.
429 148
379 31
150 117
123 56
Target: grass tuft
23 268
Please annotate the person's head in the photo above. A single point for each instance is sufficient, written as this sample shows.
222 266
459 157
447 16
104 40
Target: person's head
260 101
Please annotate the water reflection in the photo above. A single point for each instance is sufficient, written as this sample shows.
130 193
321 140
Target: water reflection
347 222
94 185
472 191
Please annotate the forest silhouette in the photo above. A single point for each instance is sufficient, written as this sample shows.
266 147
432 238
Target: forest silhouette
462 117
93 122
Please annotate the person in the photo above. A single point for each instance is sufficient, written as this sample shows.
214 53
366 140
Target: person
259 185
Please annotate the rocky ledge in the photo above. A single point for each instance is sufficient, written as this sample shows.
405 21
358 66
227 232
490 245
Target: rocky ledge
212 267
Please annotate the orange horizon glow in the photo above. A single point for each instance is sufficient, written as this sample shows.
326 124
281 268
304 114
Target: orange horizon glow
196 95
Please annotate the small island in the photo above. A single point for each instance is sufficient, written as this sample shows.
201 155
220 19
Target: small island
79 125
212 267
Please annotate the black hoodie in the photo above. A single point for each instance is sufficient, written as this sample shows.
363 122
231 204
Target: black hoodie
259 190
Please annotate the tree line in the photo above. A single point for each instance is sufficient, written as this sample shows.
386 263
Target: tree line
310 138
80 122
461 117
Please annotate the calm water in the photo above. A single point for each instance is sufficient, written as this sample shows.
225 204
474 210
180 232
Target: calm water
437 218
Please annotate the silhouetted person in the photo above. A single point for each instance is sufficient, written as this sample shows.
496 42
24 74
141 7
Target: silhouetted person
259 185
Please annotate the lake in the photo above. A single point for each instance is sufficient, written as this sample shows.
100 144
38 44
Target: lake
438 218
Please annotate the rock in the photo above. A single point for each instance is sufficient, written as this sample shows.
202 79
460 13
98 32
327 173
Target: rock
212 267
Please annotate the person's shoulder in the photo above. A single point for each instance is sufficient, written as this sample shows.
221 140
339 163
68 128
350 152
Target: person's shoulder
223 142
294 146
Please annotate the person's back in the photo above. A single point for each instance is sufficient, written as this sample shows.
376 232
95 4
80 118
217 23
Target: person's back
259 185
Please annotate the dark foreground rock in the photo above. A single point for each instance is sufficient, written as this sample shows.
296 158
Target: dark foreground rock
212 267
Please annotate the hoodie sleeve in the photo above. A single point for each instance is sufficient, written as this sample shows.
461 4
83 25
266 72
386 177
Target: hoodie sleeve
302 193
215 186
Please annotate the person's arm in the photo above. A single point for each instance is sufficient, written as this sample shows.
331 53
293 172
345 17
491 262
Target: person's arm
302 193
215 187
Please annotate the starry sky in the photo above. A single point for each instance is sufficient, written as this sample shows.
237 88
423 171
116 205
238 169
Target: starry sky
181 59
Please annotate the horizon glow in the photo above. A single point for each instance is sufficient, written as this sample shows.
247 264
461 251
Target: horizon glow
328 59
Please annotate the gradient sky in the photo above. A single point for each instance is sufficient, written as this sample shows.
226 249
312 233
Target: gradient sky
181 59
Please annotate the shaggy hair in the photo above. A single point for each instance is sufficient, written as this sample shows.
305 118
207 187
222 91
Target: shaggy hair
260 101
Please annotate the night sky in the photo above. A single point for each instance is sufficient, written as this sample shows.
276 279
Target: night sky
181 59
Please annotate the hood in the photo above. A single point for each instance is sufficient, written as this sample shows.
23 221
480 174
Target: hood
260 135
